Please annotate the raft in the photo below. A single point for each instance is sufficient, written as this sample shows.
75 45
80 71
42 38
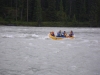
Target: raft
59 38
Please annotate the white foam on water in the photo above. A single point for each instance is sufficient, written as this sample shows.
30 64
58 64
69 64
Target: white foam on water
73 67
96 41
44 37
74 35
22 35
34 35
7 36
62 42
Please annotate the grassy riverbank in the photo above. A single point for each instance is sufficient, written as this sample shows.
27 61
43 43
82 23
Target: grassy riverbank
45 24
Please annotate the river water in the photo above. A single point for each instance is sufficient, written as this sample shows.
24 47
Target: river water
30 51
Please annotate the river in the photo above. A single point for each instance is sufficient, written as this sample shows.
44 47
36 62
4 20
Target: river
30 51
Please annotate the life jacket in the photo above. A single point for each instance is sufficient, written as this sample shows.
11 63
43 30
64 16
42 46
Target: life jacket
59 34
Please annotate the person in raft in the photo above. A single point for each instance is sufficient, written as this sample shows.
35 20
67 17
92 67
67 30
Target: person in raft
64 34
59 34
71 34
52 33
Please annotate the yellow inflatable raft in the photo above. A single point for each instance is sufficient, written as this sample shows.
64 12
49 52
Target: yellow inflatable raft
59 38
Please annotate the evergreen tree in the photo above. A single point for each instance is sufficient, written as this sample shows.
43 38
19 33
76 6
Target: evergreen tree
83 15
21 8
98 12
74 21
61 14
51 11
38 12
27 10
93 13
70 8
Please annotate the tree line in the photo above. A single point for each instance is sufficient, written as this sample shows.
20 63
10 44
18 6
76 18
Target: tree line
73 11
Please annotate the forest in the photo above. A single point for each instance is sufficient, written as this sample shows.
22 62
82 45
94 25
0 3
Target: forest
52 13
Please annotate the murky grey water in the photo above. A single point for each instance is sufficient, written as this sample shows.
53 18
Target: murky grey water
29 51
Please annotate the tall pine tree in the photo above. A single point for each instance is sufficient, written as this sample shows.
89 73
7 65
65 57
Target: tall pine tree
38 12
61 14
51 11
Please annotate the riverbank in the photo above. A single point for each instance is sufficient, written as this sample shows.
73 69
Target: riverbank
45 24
